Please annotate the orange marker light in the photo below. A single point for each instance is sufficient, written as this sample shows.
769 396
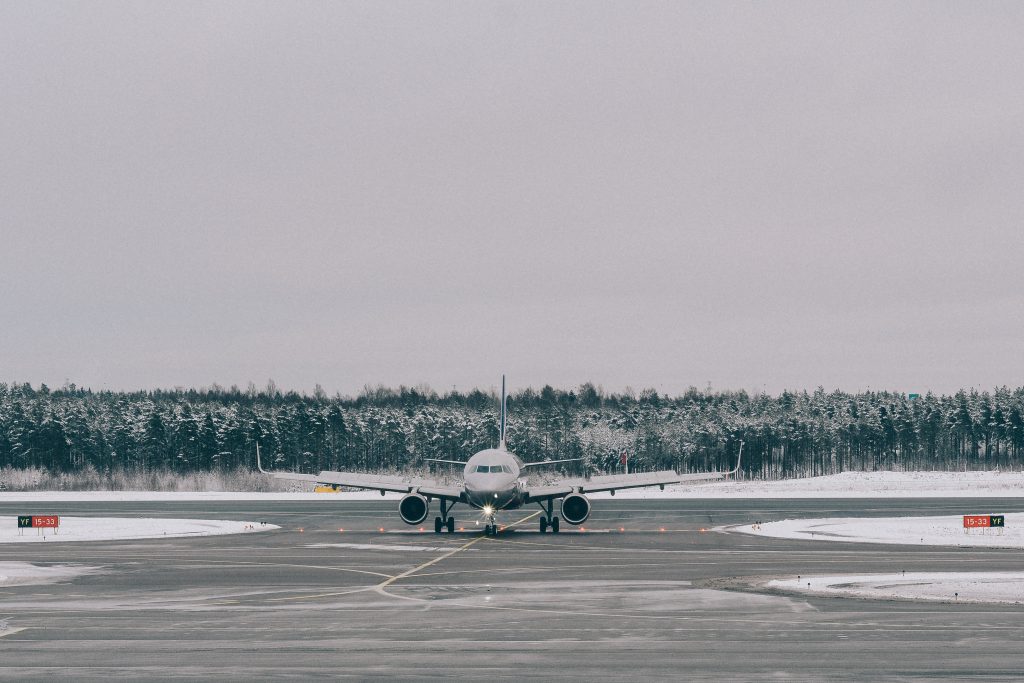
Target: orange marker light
301 530
622 528
421 528
582 529
462 528
662 528
342 530
382 530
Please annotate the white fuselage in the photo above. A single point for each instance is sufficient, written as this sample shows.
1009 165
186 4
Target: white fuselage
492 479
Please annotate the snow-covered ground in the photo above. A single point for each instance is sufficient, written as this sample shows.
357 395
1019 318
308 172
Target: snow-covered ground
26 573
945 530
938 530
846 485
123 528
998 587
854 485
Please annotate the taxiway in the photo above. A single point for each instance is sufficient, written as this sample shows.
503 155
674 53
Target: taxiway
648 590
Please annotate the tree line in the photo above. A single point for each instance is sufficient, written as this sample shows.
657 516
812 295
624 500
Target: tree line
385 429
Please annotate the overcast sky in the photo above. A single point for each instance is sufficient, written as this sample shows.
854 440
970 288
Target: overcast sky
752 195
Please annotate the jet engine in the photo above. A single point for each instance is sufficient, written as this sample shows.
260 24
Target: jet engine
413 508
575 508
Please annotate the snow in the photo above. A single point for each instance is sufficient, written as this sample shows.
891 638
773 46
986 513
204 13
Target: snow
945 530
26 573
853 485
985 587
846 485
181 496
939 530
123 528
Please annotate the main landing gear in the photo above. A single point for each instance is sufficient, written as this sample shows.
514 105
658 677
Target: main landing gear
445 521
550 521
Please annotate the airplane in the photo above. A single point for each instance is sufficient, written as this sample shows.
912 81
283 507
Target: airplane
492 481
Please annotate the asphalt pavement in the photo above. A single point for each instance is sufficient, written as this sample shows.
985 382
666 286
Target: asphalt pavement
648 589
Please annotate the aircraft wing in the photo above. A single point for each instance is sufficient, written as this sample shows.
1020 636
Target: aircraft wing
702 476
380 482
611 482
536 493
614 482
446 492
377 482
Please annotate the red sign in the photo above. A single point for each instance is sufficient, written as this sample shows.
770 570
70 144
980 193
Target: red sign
976 521
624 458
52 521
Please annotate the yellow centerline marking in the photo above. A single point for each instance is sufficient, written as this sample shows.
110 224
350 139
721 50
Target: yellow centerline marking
391 579
347 591
384 584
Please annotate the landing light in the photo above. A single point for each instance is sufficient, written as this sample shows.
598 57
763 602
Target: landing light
488 509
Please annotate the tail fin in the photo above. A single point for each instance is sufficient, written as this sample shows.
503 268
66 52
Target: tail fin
501 444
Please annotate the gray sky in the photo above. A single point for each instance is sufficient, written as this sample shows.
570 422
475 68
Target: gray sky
755 195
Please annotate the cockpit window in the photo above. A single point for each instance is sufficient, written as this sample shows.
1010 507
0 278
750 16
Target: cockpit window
493 468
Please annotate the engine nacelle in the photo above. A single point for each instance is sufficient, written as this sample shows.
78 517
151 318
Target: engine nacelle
413 508
575 508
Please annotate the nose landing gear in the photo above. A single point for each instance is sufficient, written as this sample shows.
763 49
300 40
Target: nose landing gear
491 528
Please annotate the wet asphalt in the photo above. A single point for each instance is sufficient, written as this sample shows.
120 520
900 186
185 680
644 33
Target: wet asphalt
650 589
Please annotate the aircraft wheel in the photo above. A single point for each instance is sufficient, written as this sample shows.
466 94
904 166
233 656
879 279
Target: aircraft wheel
543 524
554 525
451 525
437 525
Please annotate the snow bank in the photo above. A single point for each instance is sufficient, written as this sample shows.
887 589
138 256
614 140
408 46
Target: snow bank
987 587
846 485
120 529
939 530
854 485
944 530
180 496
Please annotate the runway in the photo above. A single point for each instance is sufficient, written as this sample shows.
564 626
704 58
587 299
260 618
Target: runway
331 595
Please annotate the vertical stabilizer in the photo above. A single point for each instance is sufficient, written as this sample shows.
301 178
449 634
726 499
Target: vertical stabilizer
501 444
